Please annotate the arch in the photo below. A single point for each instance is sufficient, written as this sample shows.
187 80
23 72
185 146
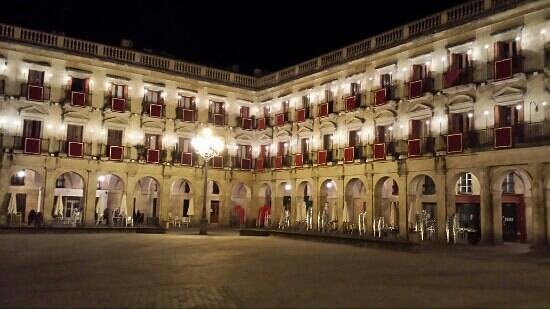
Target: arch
181 198
328 191
512 200
109 191
264 200
355 197
264 194
146 199
422 205
69 187
241 196
213 201
386 203
467 204
27 189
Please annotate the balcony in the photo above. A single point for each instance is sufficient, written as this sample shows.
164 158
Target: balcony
75 149
281 119
78 99
351 102
216 162
217 119
115 152
246 123
261 123
282 161
383 95
457 77
417 88
302 158
184 158
119 105
326 156
326 108
302 114
262 163
505 68
242 163
380 150
153 109
420 146
153 156
186 115
35 93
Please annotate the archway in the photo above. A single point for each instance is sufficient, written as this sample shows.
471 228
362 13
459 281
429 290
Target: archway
422 210
328 203
303 216
214 201
513 188
147 200
356 198
69 187
181 199
27 192
240 203
467 224
386 207
109 192
264 212
284 204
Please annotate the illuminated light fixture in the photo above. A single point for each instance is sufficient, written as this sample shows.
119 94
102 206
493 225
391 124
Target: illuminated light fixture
470 115
50 75
517 38
518 107
288 187
469 52
486 46
21 174
390 128
486 113
427 122
400 126
101 178
542 31
370 78
404 69
329 184
443 59
49 126
428 63
129 88
544 103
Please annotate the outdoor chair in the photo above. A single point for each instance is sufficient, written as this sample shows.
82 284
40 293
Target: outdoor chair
177 222
186 221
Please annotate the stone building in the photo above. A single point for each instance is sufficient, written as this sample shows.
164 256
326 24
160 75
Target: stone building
446 115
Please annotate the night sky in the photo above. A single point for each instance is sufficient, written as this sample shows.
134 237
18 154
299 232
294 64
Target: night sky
252 35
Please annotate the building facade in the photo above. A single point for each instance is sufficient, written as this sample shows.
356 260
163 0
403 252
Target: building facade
444 116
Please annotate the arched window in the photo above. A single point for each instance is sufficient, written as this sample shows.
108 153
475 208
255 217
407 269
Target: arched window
215 188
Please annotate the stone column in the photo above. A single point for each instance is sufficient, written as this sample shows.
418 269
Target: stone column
539 212
442 192
90 203
5 177
403 207
164 198
340 201
369 191
486 209
496 201
49 191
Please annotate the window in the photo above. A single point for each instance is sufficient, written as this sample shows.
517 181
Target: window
266 111
304 145
32 128
36 77
305 101
282 149
17 181
459 61
329 96
2 86
74 133
465 183
186 102
119 91
245 112
385 80
508 185
419 72
284 107
187 189
154 97
264 151
60 182
506 49
152 141
218 108
215 188
355 87
459 123
114 137
353 138
78 85
184 145
428 188
327 142
244 151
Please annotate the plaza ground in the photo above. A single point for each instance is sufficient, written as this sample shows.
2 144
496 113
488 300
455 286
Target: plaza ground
227 270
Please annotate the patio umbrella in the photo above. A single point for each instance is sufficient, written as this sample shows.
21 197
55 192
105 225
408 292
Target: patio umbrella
299 214
123 206
58 211
39 204
191 210
12 206
345 213
333 214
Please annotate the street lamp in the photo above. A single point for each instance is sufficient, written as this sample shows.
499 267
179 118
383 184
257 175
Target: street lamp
536 108
207 146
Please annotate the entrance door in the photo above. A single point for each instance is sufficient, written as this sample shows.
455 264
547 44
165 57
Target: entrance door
21 204
509 222
72 205
185 207
469 217
214 211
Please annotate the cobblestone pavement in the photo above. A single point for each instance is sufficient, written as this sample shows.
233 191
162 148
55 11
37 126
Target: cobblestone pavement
228 271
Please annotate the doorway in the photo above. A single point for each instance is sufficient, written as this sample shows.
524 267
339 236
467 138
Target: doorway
214 211
510 231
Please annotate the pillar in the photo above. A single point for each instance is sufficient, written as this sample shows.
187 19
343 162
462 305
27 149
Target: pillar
540 238
486 212
403 207
91 187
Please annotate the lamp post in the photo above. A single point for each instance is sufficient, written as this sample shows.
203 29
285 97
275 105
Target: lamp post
207 146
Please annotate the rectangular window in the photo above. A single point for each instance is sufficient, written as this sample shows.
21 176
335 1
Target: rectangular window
36 77
218 107
459 123
465 183
419 71
353 138
74 133
282 149
459 61
327 142
329 96
244 151
264 151
2 87
186 102
245 112
304 145
32 128
385 80
153 97
506 49
114 137
152 141
284 107
380 134
508 186
119 91
266 111
355 88
78 85
305 101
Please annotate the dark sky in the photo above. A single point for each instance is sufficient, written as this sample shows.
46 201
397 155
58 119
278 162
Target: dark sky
258 34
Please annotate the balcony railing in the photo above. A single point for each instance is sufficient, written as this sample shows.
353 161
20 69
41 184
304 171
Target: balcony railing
115 104
75 149
245 123
261 123
153 109
35 93
325 108
382 95
351 102
457 77
186 115
417 147
281 118
417 88
27 145
217 119
323 157
78 99
281 161
302 114
504 68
